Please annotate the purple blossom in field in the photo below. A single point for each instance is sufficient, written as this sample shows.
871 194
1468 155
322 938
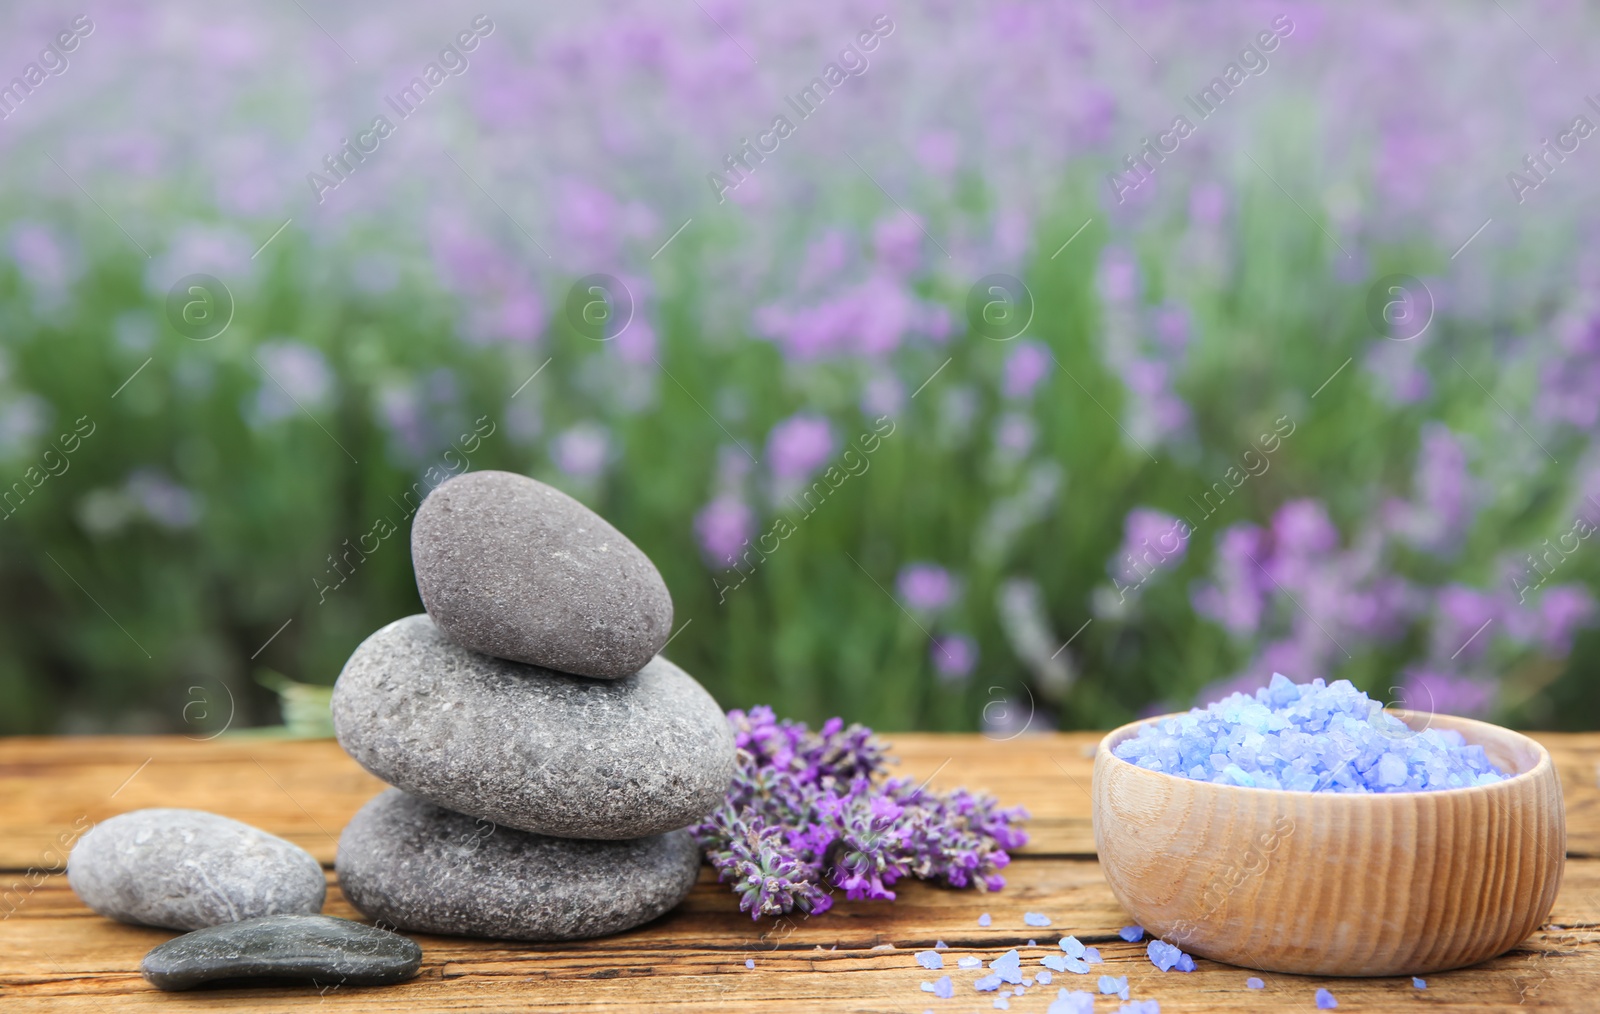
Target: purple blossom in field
1154 411
1014 436
44 258
1208 203
1152 541
925 587
939 152
636 343
1461 614
954 656
1444 503
1444 693
1569 389
1028 364
798 446
1118 279
581 451
1563 609
723 526
897 243
1238 593
163 501
1172 330
809 812
296 376
882 395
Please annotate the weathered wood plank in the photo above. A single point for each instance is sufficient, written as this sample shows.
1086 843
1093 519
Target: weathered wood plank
50 785
56 955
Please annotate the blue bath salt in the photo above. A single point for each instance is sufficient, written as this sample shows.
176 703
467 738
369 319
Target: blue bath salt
1307 737
1072 1001
1325 1000
1255 983
1036 919
984 920
1419 983
1132 934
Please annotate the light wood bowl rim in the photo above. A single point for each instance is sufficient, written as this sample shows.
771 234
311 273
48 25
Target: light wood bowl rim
1515 783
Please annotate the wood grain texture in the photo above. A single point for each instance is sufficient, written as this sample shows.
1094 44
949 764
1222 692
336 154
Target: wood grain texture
56 955
1333 883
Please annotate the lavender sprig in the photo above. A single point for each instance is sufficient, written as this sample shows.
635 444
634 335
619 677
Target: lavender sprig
811 811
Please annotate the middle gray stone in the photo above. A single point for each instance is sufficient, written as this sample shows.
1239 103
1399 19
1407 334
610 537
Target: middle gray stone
530 748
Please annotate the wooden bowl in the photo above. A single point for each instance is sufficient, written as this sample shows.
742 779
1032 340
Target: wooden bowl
1330 883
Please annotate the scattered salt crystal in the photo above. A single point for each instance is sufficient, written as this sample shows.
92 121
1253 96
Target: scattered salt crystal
1005 993
1185 963
1027 980
1036 919
749 962
984 920
1044 977
1002 1003
1307 737
1092 956
1073 947
1019 991
944 989
940 945
1140 1007
1074 1001
1132 934
1255 983
1325 1000
987 984
930 960
1419 983
1162 954
1114 985
970 962
1008 966
1033 943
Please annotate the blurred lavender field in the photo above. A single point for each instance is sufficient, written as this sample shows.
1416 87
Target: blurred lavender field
993 366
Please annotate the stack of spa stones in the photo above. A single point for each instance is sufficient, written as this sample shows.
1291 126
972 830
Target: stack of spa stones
546 761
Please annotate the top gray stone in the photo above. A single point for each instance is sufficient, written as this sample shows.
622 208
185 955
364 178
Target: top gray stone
516 569
529 748
188 869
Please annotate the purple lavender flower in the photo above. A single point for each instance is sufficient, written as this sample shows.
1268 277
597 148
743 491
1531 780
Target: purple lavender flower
1238 595
581 451
1459 627
809 810
163 501
1028 364
1152 541
297 376
925 587
1562 610
1119 275
1444 693
954 656
723 526
798 446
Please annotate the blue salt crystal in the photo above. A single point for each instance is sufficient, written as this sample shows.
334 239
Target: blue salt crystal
1008 966
1132 934
1185 963
1074 1001
749 962
1072 946
1043 978
984 920
1140 1007
1312 737
1002 1003
987 984
1419 983
1114 985
1036 919
930 960
1255 983
1325 1000
1092 956
1055 961
970 962
1167 957
944 989
940 945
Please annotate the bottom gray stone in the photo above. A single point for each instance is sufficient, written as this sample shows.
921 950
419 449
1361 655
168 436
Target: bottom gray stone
417 866
316 948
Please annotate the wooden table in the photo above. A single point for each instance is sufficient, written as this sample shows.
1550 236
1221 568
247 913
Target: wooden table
56 955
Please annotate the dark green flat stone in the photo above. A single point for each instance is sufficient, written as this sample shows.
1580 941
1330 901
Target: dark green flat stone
309 948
